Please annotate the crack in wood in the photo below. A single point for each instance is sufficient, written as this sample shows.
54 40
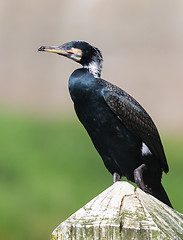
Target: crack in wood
137 196
121 229
122 212
122 200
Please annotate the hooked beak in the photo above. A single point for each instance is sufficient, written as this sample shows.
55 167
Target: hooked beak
73 53
55 49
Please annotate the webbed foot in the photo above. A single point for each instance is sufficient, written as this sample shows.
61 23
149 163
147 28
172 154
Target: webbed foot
116 177
139 178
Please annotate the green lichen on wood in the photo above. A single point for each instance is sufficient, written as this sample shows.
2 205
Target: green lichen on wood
120 213
55 237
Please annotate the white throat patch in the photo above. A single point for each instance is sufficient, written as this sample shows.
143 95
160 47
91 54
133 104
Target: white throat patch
95 65
145 150
94 69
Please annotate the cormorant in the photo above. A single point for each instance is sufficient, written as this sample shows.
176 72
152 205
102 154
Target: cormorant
121 130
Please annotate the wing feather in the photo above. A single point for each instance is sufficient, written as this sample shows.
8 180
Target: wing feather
137 120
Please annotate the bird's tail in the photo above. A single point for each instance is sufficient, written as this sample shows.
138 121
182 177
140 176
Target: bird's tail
152 179
155 188
159 192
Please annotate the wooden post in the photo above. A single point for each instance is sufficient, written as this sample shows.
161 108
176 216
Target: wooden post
121 212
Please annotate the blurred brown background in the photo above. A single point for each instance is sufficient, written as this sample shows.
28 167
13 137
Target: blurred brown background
141 42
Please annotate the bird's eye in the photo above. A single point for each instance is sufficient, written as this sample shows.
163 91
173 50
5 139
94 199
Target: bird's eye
69 47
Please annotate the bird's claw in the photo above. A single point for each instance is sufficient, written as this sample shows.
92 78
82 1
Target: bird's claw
139 178
116 177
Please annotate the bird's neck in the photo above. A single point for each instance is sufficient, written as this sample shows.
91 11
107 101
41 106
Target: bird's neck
94 66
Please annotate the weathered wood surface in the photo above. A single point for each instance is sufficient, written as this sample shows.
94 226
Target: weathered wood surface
121 212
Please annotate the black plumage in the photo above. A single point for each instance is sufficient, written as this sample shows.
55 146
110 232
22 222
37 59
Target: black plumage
121 130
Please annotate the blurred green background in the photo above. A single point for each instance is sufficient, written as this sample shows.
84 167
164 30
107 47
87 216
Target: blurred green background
49 169
48 165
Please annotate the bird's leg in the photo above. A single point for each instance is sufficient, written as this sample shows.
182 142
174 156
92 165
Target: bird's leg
139 178
116 177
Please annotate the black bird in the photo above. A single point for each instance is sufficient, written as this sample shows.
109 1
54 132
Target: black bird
121 130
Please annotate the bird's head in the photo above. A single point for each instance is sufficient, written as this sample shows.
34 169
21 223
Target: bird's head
82 52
